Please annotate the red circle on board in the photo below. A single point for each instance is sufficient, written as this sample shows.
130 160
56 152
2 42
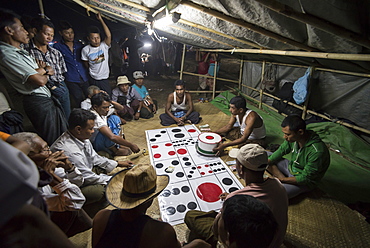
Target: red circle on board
199 167
202 173
171 153
181 151
157 155
209 192
168 144
191 130
206 165
209 137
210 171
154 146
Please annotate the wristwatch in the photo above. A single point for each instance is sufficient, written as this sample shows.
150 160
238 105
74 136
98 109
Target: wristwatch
46 71
138 111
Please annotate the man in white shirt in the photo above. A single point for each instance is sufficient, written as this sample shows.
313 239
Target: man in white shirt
95 56
76 145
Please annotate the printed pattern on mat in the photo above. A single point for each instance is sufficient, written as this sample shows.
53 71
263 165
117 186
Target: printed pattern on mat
196 181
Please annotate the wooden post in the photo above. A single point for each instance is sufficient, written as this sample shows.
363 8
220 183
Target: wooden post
261 90
41 9
305 105
241 74
182 61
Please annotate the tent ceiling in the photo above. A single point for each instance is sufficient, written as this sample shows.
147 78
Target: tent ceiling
330 26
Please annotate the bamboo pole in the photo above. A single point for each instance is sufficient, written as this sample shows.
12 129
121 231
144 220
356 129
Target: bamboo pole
248 25
41 9
182 61
127 14
88 8
316 22
214 79
240 74
201 27
262 77
201 75
338 56
305 105
135 5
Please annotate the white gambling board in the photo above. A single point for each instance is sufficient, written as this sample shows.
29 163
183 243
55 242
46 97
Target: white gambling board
196 181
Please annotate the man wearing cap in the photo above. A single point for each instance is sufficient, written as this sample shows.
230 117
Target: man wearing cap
251 128
251 163
129 98
148 107
132 192
309 162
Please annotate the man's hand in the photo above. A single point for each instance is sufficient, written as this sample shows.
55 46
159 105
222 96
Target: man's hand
180 121
137 116
135 148
99 17
223 196
127 164
56 159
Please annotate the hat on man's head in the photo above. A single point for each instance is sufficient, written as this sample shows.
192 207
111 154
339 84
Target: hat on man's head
132 187
138 75
253 157
122 80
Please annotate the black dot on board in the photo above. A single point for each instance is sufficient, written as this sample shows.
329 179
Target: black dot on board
181 208
166 193
176 130
170 210
187 163
191 172
152 140
192 205
185 189
218 169
179 135
175 162
227 181
190 176
179 174
223 168
193 168
218 162
157 135
215 170
175 191
163 131
232 189
159 165
185 158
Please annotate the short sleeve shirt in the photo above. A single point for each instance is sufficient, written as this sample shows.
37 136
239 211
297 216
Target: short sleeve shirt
98 60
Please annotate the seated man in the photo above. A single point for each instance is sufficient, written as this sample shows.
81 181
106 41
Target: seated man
179 107
251 128
128 97
76 145
104 139
59 180
132 192
251 162
309 161
245 222
148 107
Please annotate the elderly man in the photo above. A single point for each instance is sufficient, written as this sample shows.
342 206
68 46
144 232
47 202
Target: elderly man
309 162
59 180
251 128
76 145
104 139
251 163
29 78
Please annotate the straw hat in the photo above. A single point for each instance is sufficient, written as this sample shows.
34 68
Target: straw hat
132 187
122 80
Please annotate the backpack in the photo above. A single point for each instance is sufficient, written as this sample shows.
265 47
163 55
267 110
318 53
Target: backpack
286 93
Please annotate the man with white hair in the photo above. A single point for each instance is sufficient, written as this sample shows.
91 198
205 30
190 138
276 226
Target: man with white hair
251 163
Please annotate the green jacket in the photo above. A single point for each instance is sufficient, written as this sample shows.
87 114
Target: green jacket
307 164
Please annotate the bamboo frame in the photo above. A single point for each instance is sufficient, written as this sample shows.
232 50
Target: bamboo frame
240 74
182 61
316 22
249 26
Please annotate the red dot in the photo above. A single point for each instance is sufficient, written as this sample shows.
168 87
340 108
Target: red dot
181 151
209 137
209 192
199 167
210 171
191 130
206 165
168 144
155 146
202 173
171 153
157 155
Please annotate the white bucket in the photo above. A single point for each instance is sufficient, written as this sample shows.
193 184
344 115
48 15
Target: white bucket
206 142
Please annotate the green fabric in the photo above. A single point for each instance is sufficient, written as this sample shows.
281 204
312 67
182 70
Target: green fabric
222 101
309 163
346 179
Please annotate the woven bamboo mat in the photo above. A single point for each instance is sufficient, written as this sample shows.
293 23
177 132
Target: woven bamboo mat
314 220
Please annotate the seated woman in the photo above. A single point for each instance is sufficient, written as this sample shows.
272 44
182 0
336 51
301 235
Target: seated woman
147 107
